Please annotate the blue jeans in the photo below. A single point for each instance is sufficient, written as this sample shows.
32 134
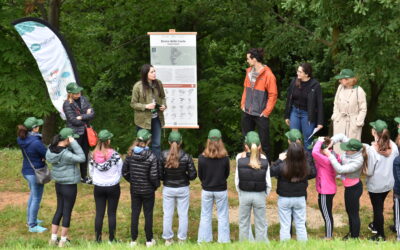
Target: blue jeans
299 120
205 227
296 207
180 196
35 197
155 136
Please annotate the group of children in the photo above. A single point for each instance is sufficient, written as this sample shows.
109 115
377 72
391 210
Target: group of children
380 162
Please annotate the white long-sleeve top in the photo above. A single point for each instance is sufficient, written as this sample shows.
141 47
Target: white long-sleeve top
106 172
267 175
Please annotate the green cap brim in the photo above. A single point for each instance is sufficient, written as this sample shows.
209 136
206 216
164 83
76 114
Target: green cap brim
338 77
76 91
397 119
344 147
39 122
372 124
287 134
398 131
76 136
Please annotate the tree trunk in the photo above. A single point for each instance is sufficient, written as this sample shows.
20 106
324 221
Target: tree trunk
372 108
49 126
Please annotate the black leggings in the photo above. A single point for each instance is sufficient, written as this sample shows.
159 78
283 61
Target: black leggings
352 202
66 196
102 197
249 123
377 201
325 206
83 142
137 201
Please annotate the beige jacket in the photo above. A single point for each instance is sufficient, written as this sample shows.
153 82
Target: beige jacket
349 111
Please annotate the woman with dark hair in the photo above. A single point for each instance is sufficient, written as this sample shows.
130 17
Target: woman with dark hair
176 171
213 173
304 104
380 180
64 154
79 112
148 101
33 151
292 171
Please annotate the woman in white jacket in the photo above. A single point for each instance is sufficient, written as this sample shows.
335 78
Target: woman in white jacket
380 180
105 168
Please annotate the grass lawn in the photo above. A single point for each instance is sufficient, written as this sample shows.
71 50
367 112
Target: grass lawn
14 233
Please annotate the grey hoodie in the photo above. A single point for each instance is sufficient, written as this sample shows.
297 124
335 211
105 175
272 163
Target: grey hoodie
65 169
380 169
351 166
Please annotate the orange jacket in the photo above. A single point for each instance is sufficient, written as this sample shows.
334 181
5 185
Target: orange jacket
262 97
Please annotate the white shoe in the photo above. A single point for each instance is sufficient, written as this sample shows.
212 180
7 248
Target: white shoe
133 244
151 243
169 242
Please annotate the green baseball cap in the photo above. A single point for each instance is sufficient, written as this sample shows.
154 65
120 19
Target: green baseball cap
311 146
351 145
143 135
73 88
67 132
378 125
214 134
252 138
294 135
397 119
105 135
345 73
32 122
175 136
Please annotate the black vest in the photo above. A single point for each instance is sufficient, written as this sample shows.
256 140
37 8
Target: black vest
250 179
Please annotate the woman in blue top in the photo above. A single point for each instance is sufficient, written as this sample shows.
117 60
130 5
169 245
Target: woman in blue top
30 141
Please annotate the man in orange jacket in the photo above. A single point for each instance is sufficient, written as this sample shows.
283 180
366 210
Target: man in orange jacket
259 97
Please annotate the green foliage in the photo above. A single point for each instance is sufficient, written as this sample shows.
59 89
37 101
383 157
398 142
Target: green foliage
109 42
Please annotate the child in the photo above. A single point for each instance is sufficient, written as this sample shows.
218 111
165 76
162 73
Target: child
177 169
253 183
325 183
64 154
354 160
105 170
293 172
213 173
141 170
380 181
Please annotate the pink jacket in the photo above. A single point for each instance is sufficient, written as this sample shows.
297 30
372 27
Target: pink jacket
325 181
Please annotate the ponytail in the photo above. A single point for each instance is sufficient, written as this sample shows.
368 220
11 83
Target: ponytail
22 131
173 156
254 157
383 140
102 147
365 163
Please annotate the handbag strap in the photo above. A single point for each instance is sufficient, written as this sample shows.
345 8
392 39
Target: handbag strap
30 163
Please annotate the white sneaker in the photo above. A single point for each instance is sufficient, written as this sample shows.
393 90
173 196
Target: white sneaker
151 243
133 244
169 242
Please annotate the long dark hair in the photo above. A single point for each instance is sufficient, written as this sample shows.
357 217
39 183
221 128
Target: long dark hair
307 69
145 81
22 131
295 168
215 149
257 53
54 141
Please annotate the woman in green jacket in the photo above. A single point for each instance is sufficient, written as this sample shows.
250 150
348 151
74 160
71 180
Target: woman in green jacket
64 154
148 101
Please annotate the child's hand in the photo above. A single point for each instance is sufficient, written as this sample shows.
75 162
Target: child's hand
321 139
326 152
282 156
